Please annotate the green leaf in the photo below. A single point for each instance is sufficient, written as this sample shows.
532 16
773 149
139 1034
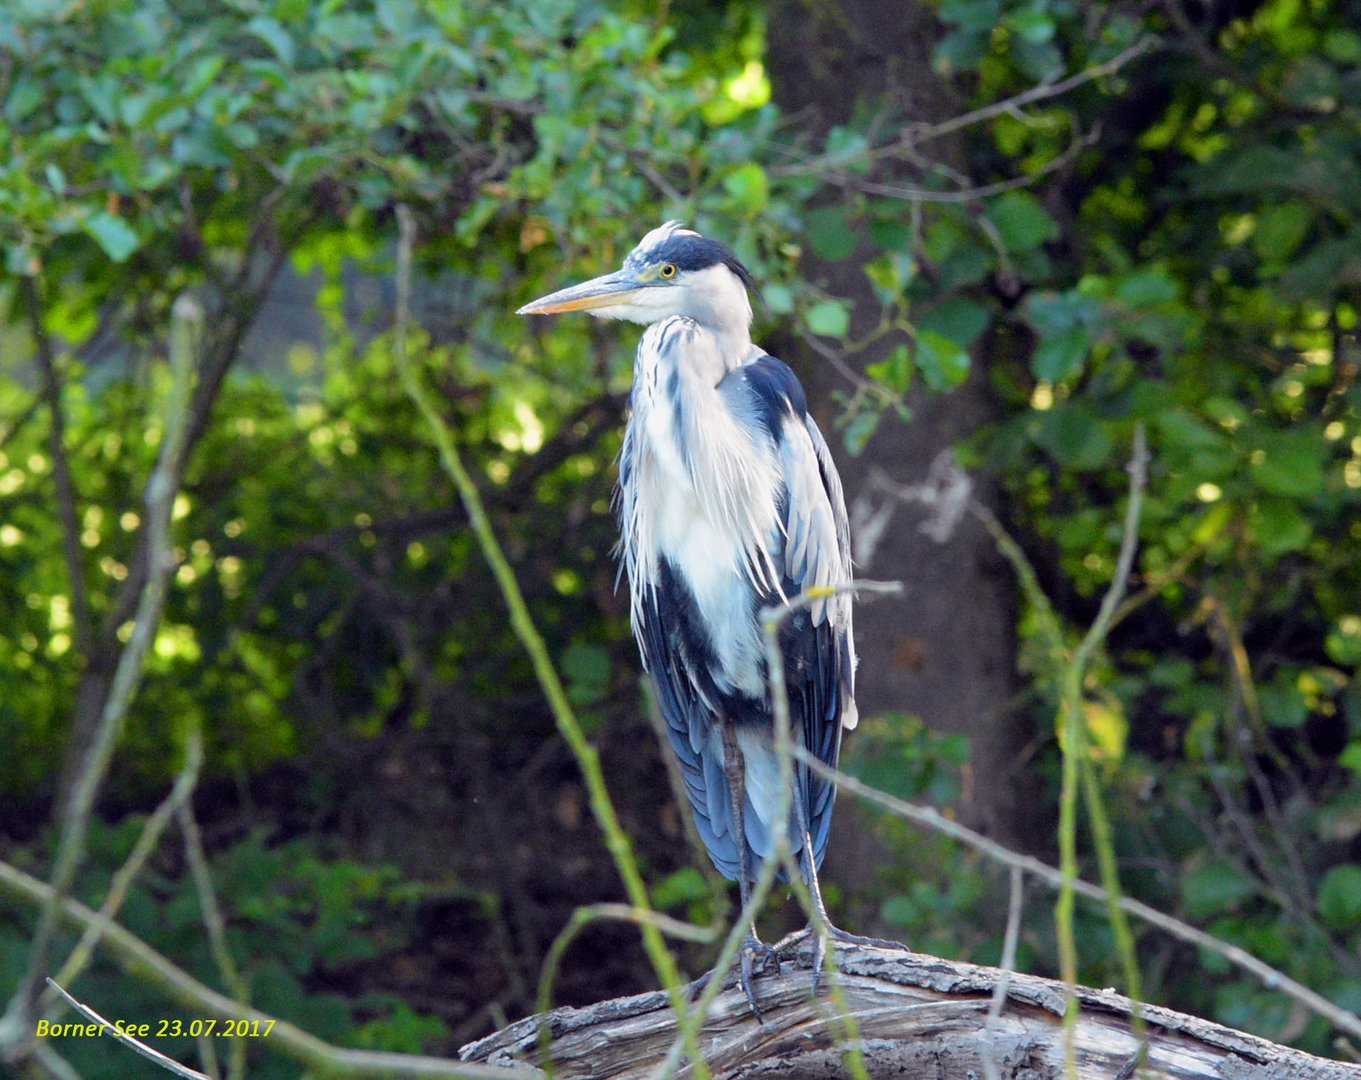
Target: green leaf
1350 757
1055 358
860 430
830 318
846 149
1032 24
586 670
682 886
273 34
1344 46
1022 222
1289 463
778 298
1213 889
960 50
971 14
890 274
1339 896
1281 228
1054 313
830 233
1343 643
1073 435
113 234
749 187
1316 273
962 321
1146 287
25 96
1278 527
894 371
944 364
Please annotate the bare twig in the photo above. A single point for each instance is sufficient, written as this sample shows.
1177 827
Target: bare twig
772 618
131 868
158 499
119 1035
717 890
929 818
61 469
1008 965
215 925
1073 746
916 134
588 759
136 957
966 194
207 896
583 917
1124 563
20 422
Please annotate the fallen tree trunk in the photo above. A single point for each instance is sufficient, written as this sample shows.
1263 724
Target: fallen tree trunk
918 1017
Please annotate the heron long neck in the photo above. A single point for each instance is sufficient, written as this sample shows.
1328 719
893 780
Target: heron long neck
719 304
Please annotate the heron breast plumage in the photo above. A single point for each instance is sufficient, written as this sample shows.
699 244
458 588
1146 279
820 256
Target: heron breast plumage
725 508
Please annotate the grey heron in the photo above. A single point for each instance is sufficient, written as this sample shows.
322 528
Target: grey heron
728 501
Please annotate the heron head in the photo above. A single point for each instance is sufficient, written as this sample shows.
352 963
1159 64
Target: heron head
672 271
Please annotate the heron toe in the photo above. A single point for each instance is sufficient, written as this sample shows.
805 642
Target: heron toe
756 958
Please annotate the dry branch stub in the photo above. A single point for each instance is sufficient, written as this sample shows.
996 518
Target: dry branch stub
919 1017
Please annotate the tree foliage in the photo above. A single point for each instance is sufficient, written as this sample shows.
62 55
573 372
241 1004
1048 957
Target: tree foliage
1163 227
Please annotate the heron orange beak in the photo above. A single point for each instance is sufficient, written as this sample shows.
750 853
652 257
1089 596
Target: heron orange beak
605 291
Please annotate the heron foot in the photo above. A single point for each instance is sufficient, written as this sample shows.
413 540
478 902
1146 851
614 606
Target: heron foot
847 938
756 958
791 944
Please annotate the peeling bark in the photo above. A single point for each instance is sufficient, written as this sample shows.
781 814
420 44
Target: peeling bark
919 1018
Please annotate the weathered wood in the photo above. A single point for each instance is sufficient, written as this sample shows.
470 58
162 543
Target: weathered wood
918 1017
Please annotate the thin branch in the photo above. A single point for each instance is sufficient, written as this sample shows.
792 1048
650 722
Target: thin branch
131 868
207 896
119 1035
61 470
717 890
1073 746
1008 965
929 818
139 959
20 422
583 917
158 500
772 618
215 925
968 194
56 1066
765 879
588 759
1124 563
916 134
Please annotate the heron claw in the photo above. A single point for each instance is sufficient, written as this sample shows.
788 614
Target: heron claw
755 958
789 945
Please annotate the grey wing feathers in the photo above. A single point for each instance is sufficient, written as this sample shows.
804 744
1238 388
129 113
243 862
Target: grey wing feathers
817 554
808 546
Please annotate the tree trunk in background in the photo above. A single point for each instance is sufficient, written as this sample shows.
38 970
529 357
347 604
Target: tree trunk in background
946 650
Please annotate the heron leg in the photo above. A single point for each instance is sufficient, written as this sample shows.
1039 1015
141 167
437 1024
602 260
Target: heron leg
753 950
820 927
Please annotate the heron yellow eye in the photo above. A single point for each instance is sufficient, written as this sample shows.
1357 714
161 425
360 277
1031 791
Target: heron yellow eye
668 270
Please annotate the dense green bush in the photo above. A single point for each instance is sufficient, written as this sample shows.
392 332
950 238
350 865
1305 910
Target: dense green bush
1173 243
